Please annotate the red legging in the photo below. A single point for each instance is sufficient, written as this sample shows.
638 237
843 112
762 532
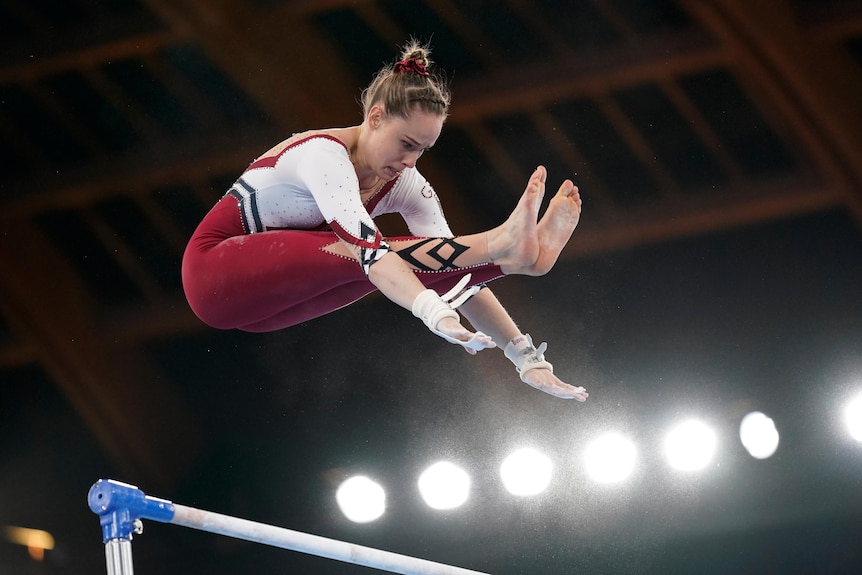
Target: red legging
276 279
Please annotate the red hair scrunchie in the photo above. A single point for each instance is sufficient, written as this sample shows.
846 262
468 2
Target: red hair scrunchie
411 66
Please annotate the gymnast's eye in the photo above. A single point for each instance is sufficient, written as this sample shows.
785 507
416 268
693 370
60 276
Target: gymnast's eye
409 145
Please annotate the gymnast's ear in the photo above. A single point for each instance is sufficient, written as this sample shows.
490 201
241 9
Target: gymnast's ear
376 115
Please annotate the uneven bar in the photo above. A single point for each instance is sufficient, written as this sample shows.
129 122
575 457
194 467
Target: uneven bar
122 506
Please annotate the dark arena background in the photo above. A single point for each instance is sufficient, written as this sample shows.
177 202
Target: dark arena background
717 270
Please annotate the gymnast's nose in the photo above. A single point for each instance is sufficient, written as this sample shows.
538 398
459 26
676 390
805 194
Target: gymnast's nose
410 159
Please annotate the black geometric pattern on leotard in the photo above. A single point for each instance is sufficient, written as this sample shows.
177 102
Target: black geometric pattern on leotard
368 254
446 263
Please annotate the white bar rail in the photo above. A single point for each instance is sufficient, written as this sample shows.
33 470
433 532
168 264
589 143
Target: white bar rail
121 508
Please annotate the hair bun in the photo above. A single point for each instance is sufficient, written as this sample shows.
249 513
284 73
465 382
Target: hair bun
410 66
419 52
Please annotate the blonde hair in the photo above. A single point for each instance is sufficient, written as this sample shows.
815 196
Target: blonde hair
399 90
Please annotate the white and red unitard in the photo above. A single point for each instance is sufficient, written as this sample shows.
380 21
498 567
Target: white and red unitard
257 261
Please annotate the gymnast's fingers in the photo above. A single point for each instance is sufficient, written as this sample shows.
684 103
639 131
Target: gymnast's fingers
452 330
544 380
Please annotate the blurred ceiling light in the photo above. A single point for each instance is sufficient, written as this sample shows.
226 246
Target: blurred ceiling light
759 435
526 472
690 446
35 540
610 458
444 486
853 418
360 499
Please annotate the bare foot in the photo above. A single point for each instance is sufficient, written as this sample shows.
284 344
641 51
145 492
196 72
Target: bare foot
556 227
520 246
514 245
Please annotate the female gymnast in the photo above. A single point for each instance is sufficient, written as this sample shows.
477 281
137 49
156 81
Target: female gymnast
294 238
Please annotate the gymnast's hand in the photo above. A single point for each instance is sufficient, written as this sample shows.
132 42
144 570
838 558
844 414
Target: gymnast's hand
451 329
545 380
536 371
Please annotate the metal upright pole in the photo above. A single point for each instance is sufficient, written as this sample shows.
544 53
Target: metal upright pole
120 508
118 553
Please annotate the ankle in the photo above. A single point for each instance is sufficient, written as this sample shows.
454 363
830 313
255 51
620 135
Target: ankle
498 243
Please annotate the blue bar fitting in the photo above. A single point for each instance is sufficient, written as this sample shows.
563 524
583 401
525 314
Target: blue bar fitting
121 506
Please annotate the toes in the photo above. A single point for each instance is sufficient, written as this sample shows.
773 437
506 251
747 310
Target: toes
542 173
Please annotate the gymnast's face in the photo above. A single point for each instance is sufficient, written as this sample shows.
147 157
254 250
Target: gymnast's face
397 143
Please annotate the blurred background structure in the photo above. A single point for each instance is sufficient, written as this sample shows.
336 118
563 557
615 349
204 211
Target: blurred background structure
717 270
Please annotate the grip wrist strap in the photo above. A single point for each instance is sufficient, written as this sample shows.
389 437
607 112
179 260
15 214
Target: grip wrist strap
525 356
431 308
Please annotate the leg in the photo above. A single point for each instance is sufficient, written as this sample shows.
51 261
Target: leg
518 246
343 295
267 281
272 280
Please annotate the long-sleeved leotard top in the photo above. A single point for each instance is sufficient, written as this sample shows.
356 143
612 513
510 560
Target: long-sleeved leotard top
305 195
311 183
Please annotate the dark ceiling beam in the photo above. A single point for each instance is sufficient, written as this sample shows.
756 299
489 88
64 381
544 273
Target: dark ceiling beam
817 85
135 176
469 32
280 60
18 354
68 120
701 127
536 85
837 30
132 112
135 327
569 152
611 14
25 145
126 259
85 58
498 156
742 206
639 146
164 225
538 25
204 112
304 8
381 24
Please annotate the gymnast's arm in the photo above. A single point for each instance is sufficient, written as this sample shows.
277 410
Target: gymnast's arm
395 279
486 314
